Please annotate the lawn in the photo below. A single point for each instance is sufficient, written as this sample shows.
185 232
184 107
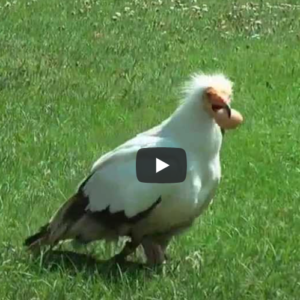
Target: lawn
77 78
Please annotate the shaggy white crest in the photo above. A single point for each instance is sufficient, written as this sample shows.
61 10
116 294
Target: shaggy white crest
198 83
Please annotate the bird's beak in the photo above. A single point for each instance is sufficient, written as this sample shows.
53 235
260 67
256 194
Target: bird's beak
219 109
216 98
228 109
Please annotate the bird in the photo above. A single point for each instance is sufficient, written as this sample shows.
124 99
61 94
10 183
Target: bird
111 203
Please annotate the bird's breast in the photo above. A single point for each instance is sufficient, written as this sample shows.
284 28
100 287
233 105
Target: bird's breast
185 202
206 177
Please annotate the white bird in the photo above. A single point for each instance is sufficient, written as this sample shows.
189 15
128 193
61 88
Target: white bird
111 202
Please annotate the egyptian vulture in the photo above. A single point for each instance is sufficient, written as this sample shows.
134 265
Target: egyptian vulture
111 202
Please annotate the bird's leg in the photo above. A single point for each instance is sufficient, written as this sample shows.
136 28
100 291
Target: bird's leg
164 243
128 249
153 252
154 248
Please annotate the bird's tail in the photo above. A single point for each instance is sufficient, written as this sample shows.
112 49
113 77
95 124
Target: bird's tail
60 226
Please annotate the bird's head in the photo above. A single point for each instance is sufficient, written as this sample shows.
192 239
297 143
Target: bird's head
214 94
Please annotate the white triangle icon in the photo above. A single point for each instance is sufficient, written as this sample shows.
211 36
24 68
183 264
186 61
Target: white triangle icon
160 165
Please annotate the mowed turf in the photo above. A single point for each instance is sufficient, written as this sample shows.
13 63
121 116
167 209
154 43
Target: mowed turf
77 78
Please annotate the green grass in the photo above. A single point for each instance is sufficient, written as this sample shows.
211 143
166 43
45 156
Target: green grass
74 83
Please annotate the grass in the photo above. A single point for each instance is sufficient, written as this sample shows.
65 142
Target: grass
77 78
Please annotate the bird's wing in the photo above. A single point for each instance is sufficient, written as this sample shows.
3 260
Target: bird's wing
113 184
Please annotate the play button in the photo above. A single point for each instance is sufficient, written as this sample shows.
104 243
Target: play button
160 165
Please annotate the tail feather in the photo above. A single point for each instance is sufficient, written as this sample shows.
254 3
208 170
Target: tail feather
57 229
74 221
39 236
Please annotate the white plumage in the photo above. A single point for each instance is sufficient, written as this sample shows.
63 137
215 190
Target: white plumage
113 186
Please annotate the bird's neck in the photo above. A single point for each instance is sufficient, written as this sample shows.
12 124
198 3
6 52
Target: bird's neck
192 126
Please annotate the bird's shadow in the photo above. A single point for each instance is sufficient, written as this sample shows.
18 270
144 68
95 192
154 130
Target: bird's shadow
90 266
